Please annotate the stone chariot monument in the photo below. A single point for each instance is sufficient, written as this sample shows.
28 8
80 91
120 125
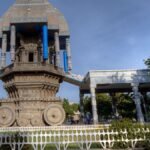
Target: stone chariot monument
34 33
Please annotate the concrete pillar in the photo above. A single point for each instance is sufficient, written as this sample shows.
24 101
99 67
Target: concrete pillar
57 49
12 42
4 48
68 49
137 101
94 104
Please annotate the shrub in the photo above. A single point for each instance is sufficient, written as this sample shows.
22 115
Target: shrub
134 131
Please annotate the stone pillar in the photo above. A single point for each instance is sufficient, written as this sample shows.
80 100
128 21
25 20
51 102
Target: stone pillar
68 49
4 48
12 42
35 56
137 101
57 49
94 104
24 56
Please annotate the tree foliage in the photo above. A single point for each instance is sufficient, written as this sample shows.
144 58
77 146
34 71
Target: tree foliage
70 108
87 104
147 62
104 106
124 105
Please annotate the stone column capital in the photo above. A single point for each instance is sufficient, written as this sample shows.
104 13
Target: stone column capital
92 83
56 34
135 84
13 27
135 88
92 89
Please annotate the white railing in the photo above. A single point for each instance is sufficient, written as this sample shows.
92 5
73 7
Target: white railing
63 136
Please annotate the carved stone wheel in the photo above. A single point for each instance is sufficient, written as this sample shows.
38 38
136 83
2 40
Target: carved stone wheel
54 115
22 122
7 116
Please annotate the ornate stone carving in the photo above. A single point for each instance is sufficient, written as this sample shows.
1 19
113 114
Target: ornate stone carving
23 122
36 121
7 116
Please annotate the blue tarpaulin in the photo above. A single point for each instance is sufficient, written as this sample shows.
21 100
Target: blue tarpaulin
45 42
65 61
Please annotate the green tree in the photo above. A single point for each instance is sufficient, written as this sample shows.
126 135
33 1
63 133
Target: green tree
87 104
70 108
67 108
147 62
126 106
75 107
124 103
104 106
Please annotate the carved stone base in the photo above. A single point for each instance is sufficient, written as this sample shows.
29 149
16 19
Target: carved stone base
25 113
32 101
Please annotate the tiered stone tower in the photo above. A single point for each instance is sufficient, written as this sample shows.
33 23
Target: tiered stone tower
34 32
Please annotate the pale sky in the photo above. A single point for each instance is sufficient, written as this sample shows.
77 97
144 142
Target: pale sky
105 34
